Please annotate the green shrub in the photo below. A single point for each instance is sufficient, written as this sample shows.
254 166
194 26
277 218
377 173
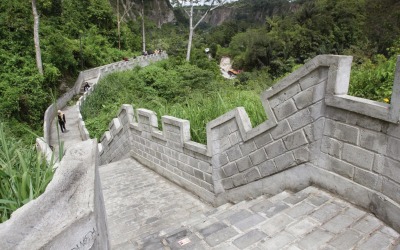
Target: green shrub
373 79
182 90
24 174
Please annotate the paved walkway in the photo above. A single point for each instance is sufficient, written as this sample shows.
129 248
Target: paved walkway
139 203
72 135
310 219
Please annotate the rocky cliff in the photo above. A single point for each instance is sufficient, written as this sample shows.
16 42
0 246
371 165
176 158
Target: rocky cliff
249 10
160 11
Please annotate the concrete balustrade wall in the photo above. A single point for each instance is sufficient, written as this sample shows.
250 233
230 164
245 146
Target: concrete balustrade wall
315 135
70 214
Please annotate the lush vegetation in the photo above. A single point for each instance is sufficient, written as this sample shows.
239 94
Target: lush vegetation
74 35
297 31
80 34
24 174
374 79
292 33
173 88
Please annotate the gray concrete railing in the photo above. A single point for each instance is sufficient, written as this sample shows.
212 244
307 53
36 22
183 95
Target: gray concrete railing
315 135
70 214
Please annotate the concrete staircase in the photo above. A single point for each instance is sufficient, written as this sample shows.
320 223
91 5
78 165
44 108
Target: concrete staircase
145 211
309 219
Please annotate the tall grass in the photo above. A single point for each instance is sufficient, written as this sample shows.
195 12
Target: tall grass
373 79
180 91
201 108
24 174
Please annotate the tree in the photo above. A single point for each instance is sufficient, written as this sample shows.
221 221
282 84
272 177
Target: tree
382 23
36 37
127 7
143 29
189 12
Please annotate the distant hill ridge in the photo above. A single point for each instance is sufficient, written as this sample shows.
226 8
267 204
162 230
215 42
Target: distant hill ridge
161 11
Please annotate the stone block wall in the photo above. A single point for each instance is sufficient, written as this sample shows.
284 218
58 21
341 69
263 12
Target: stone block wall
362 152
115 143
168 152
242 156
315 134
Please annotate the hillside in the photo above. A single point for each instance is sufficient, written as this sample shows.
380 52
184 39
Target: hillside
159 11
79 34
254 11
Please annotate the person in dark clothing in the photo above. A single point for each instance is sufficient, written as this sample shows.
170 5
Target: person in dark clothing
86 87
61 121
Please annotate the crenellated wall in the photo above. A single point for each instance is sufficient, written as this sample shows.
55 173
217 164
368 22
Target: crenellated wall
169 152
315 135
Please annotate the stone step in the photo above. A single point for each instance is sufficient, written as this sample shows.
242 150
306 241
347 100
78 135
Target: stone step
227 216
210 217
145 211
309 219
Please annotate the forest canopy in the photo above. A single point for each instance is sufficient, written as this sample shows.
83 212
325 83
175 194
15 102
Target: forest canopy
81 34
266 39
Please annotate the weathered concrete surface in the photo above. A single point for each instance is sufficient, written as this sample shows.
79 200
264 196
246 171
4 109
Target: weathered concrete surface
69 214
139 203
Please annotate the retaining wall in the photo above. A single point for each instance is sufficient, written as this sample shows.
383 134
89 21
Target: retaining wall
315 135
